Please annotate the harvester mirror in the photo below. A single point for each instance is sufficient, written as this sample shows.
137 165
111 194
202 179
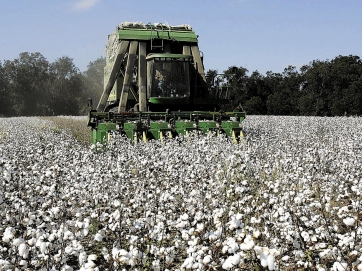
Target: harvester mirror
90 102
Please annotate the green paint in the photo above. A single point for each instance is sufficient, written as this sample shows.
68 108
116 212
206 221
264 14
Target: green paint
148 34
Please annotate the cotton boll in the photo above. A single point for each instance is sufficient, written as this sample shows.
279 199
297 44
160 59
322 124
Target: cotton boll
85 231
200 227
224 249
79 224
68 235
43 247
52 237
66 268
207 259
57 257
240 234
190 250
89 265
168 259
257 234
8 234
263 260
321 245
247 244
254 220
32 242
18 241
6 238
349 221
68 250
187 264
115 252
296 244
185 235
258 250
271 262
305 236
23 250
235 259
337 266
227 265
98 237
191 231
22 263
197 266
234 224
6 265
274 252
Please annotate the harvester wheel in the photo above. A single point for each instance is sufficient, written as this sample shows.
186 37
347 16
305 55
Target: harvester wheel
167 134
144 136
235 139
238 137
138 136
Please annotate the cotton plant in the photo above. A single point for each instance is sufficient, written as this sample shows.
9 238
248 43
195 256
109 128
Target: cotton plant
286 197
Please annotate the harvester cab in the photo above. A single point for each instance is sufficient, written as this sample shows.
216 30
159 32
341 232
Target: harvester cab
155 87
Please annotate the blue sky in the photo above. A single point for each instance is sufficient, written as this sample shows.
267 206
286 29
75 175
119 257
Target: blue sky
263 35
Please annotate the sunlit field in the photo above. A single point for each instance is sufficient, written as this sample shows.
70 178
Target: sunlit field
287 197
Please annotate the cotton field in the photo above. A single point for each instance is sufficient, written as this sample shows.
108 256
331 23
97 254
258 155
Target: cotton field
287 197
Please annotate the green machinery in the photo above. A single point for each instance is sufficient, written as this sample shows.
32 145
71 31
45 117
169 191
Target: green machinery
155 87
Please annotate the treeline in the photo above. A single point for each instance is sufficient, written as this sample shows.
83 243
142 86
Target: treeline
322 88
32 86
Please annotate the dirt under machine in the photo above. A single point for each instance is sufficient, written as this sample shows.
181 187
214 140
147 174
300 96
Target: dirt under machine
155 87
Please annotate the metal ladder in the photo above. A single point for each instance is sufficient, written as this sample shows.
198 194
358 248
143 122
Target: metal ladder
158 36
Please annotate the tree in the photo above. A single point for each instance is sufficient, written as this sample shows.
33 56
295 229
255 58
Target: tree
346 72
331 87
236 77
210 76
93 81
28 79
5 105
257 93
66 87
255 106
285 91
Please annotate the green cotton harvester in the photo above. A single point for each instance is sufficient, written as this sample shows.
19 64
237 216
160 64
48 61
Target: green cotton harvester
155 87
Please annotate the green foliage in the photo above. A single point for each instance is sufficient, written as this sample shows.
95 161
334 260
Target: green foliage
27 80
65 91
5 107
31 86
322 88
93 79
